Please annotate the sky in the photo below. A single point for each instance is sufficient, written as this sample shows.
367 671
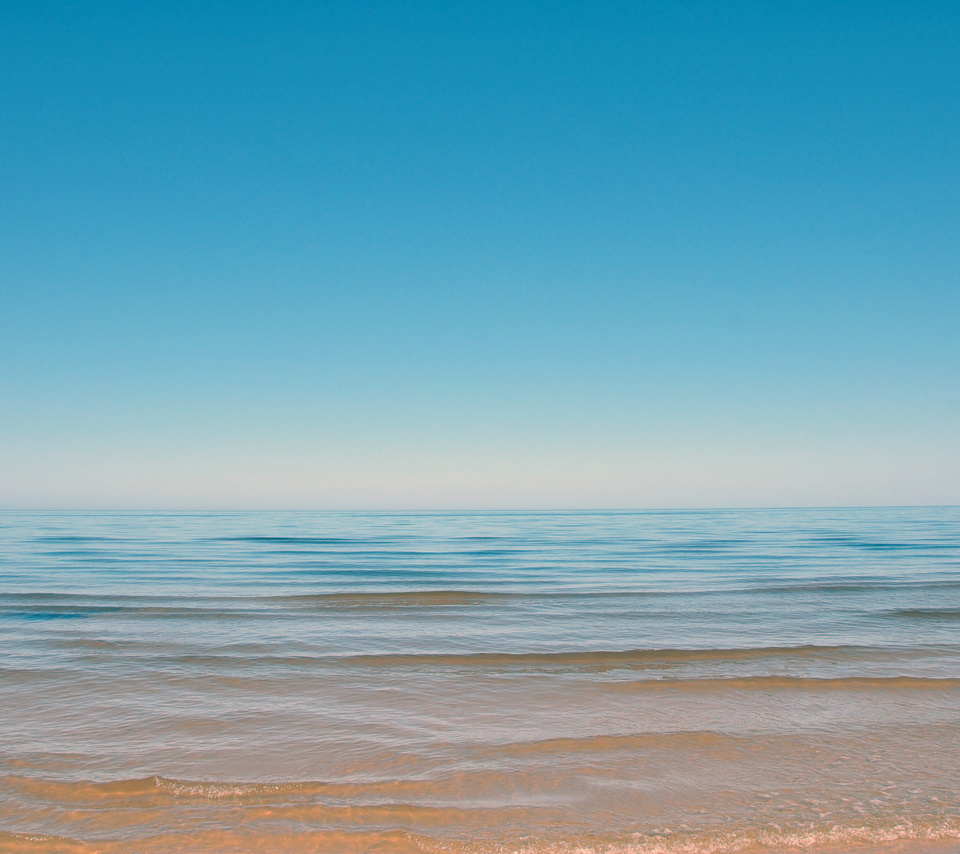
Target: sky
413 255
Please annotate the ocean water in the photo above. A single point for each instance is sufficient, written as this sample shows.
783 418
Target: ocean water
534 682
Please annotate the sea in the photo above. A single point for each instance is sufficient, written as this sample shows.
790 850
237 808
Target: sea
480 683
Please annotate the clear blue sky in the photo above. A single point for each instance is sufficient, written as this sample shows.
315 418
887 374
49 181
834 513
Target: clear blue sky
422 255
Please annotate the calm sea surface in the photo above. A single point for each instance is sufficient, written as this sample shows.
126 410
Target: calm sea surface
538 682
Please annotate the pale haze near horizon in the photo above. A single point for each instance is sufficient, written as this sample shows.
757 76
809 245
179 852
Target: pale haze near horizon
564 256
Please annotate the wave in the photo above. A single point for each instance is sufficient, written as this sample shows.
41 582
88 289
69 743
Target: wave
233 841
894 835
142 790
399 598
865 585
889 836
794 683
926 613
639 659
652 661
295 541
459 585
77 611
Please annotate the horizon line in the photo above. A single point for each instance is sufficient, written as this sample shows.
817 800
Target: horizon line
466 510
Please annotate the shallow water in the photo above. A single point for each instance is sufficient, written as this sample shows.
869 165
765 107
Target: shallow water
644 682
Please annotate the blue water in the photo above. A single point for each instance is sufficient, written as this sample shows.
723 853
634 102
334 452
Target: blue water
480 679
